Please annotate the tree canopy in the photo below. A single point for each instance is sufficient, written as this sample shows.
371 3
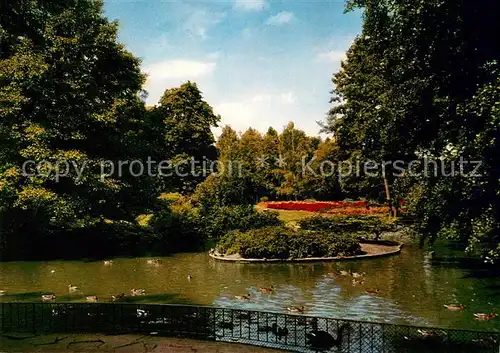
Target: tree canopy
422 80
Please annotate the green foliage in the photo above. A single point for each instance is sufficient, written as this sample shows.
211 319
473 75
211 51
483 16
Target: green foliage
185 121
273 166
422 81
224 190
69 92
176 230
361 225
218 221
284 243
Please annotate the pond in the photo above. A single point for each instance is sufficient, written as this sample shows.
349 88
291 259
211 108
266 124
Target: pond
412 287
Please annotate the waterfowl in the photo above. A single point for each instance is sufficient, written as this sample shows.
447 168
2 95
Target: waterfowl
484 316
46 297
72 288
2 292
296 309
118 297
243 297
135 292
454 307
356 282
108 262
279 331
153 262
267 289
189 277
322 340
91 298
264 329
372 291
358 275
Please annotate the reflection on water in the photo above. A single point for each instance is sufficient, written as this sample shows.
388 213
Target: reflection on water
412 287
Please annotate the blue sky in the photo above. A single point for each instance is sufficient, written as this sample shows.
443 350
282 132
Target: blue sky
259 63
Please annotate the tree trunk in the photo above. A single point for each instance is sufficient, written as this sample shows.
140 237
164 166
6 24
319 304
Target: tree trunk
388 195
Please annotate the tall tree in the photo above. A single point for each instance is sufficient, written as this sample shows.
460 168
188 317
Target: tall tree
188 137
273 173
436 65
68 90
227 145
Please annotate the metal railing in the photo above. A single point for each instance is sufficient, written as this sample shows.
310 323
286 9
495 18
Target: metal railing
297 333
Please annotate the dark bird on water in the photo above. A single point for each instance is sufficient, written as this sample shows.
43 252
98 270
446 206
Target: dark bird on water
275 329
265 329
322 340
279 331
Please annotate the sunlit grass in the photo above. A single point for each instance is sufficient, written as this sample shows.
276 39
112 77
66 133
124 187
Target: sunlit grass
292 216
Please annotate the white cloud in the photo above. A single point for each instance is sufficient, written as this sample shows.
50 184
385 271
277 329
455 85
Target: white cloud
288 97
199 21
236 114
334 56
250 5
260 111
281 18
179 69
172 73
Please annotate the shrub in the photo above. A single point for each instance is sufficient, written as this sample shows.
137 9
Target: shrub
283 243
176 231
144 219
361 225
170 196
218 221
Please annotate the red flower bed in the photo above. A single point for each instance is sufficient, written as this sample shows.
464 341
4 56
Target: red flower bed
331 207
315 206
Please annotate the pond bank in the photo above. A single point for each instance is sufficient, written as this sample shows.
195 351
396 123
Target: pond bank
73 343
371 249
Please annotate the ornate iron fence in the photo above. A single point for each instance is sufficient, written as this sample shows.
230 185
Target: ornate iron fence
297 333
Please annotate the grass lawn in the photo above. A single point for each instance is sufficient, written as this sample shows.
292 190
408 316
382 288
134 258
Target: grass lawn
294 216
291 216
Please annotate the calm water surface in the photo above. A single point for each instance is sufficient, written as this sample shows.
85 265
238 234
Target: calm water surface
413 286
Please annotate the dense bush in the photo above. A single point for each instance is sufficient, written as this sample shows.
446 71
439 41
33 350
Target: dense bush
180 227
224 190
176 230
219 220
284 243
361 225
